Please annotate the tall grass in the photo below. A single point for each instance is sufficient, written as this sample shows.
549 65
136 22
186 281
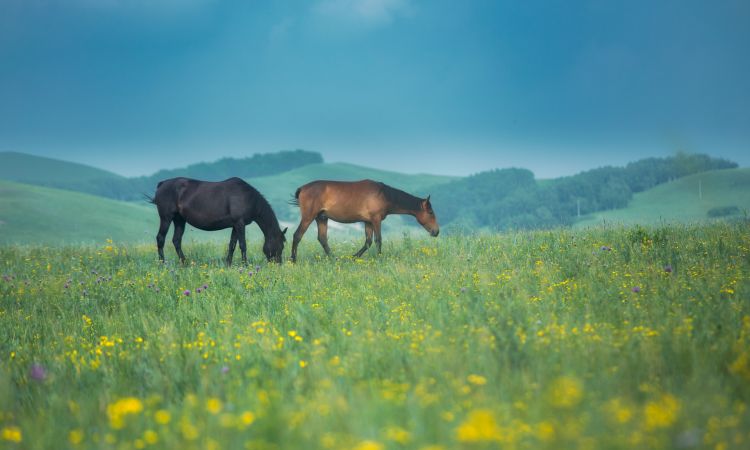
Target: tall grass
607 338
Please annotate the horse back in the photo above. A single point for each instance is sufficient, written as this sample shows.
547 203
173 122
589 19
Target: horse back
343 201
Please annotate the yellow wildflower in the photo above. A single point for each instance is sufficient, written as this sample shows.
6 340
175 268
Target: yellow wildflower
565 392
479 426
476 380
189 431
213 405
369 445
122 408
75 437
661 413
618 412
11 433
397 434
247 418
546 431
162 417
150 437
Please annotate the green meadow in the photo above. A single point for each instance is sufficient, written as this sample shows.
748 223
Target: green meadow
687 199
610 337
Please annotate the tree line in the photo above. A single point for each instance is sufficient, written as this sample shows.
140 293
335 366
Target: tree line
512 198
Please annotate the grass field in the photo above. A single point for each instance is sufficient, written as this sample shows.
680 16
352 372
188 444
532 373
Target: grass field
605 338
679 200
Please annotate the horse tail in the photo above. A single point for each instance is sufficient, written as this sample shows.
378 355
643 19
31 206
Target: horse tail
295 201
149 198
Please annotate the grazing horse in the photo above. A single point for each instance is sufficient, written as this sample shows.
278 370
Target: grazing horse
358 201
215 206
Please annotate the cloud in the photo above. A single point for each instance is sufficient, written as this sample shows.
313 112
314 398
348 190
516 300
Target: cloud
363 12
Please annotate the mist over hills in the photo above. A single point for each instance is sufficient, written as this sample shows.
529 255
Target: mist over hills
500 199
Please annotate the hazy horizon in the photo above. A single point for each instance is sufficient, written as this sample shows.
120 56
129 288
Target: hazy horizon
417 87
397 170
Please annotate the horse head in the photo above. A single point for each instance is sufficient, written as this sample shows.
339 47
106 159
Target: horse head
273 247
426 217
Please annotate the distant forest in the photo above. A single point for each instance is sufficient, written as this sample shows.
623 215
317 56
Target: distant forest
258 165
512 199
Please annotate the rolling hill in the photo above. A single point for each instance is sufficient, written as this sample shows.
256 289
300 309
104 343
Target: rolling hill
31 169
47 216
678 201
38 215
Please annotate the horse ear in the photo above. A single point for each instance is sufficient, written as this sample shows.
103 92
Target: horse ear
284 232
428 199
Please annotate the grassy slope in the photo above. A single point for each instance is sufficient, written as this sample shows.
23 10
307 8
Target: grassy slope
36 169
33 214
520 340
678 200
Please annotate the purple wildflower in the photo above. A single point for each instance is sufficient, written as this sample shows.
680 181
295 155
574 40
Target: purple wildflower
198 291
186 292
250 273
463 289
668 268
205 286
224 369
37 372
605 248
636 289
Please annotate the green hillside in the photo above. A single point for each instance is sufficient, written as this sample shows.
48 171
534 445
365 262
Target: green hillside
678 200
278 189
39 215
47 171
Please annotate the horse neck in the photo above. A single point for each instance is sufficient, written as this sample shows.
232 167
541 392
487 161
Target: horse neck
268 224
267 221
409 204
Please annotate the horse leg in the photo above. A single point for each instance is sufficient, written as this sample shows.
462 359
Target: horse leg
161 236
243 245
179 229
303 224
368 240
378 238
322 222
232 245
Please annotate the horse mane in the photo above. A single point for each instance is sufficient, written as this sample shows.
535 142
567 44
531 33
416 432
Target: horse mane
400 198
264 211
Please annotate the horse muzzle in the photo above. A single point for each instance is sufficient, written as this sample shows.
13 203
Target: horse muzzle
434 232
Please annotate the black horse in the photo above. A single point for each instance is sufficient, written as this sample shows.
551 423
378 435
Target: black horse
215 206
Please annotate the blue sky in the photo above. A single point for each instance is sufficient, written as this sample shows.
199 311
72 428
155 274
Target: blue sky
441 86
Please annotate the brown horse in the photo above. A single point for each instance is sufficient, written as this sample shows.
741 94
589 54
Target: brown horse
357 201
